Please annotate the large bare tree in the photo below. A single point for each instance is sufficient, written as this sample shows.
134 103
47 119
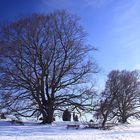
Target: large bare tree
44 64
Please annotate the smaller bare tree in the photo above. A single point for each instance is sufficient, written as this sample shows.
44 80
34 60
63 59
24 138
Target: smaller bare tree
121 97
128 97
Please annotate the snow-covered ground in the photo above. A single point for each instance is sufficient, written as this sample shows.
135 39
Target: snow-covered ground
58 131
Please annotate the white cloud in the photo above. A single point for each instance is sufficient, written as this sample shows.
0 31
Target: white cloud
126 23
136 67
127 15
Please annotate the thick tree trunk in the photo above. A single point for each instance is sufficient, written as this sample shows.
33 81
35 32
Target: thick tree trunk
47 116
124 119
44 118
47 119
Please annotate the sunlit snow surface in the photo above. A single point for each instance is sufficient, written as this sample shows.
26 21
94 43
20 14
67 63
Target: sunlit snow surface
58 131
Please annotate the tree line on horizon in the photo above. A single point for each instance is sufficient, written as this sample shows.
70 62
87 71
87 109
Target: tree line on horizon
46 67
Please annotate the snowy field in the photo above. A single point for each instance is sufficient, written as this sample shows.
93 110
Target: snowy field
58 131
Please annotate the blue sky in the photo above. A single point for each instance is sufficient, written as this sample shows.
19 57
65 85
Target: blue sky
113 26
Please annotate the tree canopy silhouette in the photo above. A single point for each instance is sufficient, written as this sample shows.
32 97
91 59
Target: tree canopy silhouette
44 60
